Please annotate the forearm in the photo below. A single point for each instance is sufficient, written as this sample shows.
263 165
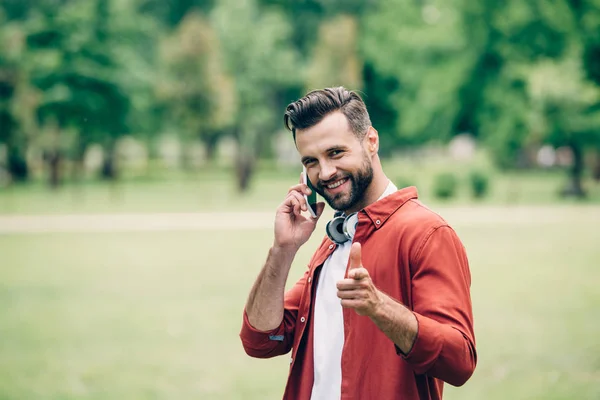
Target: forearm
265 302
442 351
397 322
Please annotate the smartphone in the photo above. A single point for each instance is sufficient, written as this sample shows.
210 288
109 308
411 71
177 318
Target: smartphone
311 200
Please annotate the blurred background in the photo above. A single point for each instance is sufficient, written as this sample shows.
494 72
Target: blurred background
142 155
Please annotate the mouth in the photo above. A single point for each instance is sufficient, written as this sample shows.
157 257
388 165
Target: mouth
336 186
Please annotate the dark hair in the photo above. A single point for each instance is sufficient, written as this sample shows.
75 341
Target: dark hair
313 107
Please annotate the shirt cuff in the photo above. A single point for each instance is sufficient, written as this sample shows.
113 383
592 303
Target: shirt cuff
427 345
249 334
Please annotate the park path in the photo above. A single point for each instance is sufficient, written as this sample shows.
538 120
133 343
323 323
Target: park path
74 223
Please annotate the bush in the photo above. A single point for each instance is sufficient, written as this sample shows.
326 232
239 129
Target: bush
479 182
402 182
445 185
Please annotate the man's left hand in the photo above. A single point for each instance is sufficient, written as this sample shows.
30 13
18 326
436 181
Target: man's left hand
357 291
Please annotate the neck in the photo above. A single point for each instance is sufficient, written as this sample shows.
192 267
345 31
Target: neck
376 188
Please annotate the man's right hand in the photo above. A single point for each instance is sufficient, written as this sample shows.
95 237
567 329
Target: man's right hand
292 228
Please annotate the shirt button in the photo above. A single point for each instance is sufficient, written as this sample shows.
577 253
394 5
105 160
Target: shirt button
302 319
309 278
378 222
291 360
330 246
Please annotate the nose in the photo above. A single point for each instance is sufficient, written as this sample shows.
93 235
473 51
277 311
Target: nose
327 172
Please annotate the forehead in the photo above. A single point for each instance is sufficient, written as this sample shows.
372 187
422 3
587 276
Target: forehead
334 130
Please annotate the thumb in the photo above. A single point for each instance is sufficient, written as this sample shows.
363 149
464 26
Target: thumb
355 260
320 208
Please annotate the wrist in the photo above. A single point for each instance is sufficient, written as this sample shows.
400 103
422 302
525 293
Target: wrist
283 253
379 311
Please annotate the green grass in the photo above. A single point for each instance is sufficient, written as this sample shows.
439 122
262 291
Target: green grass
157 315
214 190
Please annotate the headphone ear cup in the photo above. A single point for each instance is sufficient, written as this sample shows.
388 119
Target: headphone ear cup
335 230
349 227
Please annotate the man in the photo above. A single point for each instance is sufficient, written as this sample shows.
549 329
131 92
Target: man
382 312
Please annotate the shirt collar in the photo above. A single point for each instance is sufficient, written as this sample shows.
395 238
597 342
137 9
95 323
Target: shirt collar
391 188
391 200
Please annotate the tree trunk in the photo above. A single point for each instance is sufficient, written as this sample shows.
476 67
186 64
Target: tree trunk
596 166
574 186
54 162
109 166
78 164
244 169
17 165
211 147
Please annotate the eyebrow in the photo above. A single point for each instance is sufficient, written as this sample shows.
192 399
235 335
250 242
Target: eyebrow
333 148
306 159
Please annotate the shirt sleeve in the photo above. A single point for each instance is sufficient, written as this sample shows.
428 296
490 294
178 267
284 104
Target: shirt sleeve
445 344
278 341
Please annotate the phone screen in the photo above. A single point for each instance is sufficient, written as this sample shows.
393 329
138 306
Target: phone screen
311 199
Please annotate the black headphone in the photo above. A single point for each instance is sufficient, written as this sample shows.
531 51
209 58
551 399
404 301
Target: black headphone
341 228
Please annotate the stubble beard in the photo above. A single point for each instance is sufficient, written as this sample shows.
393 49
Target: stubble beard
359 182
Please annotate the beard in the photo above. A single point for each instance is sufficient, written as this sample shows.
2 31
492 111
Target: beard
359 182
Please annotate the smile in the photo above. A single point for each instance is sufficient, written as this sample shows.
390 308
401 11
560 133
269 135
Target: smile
336 184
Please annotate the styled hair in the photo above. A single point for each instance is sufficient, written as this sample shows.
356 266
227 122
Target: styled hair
313 107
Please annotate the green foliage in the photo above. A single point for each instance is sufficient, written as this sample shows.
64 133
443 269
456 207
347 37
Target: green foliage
423 48
445 185
513 74
335 61
259 56
12 133
479 183
77 73
403 181
197 94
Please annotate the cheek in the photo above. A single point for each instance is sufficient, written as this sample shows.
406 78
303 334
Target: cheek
350 163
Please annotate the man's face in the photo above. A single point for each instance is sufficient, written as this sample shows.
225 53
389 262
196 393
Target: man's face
336 161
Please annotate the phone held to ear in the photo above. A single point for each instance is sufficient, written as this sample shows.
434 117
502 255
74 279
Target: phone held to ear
311 199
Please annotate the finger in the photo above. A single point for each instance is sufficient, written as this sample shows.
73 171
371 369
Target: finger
320 209
351 294
355 257
293 195
349 284
358 273
292 203
350 303
300 188
300 198
295 206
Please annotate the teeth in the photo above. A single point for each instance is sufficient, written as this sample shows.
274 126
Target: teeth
336 184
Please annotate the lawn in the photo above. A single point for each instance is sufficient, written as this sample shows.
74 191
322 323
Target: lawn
157 315
214 190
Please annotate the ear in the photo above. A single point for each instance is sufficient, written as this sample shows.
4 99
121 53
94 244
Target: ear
372 141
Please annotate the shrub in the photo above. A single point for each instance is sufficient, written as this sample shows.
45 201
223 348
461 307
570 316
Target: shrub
445 185
402 182
479 183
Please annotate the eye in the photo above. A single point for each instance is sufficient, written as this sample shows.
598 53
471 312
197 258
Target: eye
335 153
309 162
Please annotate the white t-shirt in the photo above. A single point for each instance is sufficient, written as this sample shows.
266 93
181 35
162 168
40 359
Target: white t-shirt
329 322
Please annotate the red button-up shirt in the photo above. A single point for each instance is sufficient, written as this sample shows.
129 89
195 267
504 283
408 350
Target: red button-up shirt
415 257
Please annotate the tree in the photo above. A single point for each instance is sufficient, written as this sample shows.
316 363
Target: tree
172 12
334 60
198 95
10 77
536 90
259 56
417 58
566 111
76 60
